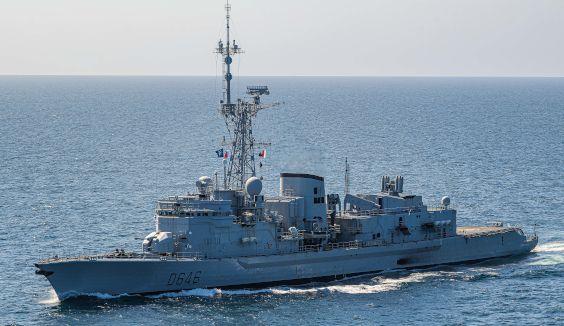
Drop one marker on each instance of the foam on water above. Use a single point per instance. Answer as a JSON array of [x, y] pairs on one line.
[[106, 296], [479, 275], [375, 285], [209, 293], [550, 260], [550, 253], [379, 284], [51, 300], [557, 246]]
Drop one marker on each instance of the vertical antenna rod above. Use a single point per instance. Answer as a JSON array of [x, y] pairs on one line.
[[227, 50], [347, 177], [228, 59]]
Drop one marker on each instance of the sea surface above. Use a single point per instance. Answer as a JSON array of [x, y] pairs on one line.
[[83, 159]]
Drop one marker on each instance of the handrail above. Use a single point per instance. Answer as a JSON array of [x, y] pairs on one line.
[[379, 211], [196, 255]]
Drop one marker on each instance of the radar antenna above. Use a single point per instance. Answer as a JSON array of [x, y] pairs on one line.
[[238, 117]]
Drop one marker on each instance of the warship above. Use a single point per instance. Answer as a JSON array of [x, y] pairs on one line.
[[227, 234]]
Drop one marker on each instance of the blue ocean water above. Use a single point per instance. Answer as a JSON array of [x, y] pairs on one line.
[[82, 160]]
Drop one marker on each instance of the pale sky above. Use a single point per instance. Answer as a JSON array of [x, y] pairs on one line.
[[284, 37]]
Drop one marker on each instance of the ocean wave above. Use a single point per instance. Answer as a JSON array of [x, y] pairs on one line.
[[550, 253], [556, 246], [483, 275], [51, 300], [208, 293], [97, 295], [548, 260]]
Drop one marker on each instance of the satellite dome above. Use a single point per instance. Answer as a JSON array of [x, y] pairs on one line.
[[204, 183], [445, 201], [253, 186], [205, 179]]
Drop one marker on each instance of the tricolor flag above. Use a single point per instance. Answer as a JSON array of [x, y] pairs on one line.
[[262, 153], [226, 155]]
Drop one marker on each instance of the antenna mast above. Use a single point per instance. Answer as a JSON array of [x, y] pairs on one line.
[[347, 177], [238, 116], [227, 50]]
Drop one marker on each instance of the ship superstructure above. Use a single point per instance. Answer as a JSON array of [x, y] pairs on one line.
[[228, 234]]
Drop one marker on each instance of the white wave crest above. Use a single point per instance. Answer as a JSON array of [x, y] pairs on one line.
[[51, 300], [382, 284], [557, 246], [246, 292], [548, 261], [550, 253], [209, 293], [97, 295]]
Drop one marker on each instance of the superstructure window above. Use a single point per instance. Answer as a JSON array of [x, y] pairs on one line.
[[318, 200], [315, 190]]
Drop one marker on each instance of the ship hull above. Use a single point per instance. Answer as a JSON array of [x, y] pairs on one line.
[[116, 276]]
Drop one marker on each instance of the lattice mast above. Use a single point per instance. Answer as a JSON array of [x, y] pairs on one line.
[[238, 117]]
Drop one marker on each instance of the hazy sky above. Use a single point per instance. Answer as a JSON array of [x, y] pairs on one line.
[[284, 37]]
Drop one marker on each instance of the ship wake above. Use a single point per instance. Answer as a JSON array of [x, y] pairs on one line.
[[376, 283], [550, 253]]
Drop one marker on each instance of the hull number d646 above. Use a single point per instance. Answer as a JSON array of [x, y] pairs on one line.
[[184, 278]]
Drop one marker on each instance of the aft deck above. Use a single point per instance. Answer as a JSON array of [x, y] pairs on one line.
[[478, 231]]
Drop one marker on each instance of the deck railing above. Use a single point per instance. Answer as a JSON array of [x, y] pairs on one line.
[[378, 211], [195, 255]]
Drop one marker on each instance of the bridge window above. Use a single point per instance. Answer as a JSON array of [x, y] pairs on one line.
[[315, 190]]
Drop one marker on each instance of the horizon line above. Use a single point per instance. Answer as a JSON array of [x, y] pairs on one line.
[[299, 76]]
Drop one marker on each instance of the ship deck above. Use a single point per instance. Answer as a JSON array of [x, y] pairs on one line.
[[476, 231]]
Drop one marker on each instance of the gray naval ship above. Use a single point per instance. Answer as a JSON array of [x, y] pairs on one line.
[[229, 235]]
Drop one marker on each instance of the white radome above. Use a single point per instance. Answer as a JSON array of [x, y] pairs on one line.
[[445, 201], [203, 181], [253, 186]]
